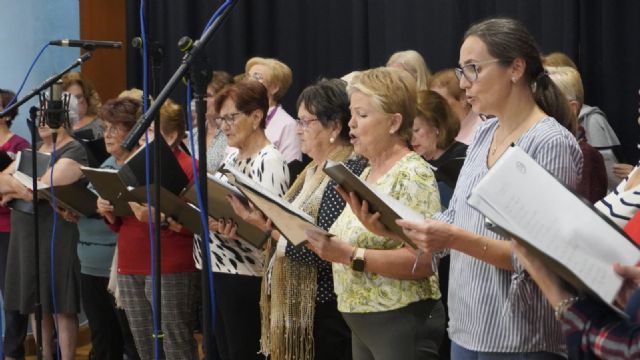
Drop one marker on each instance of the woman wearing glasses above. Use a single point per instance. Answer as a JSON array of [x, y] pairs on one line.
[[242, 109], [299, 302], [495, 309]]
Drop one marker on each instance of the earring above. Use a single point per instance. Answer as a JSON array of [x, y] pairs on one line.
[[513, 80], [331, 140]]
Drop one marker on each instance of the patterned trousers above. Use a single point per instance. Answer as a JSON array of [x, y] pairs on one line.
[[179, 295]]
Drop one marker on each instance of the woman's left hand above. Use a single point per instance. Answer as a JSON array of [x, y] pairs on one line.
[[68, 215], [329, 248], [228, 229], [360, 209]]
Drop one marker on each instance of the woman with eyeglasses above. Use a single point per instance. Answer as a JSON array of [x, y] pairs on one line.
[[62, 277], [180, 285], [298, 302], [242, 109], [496, 311]]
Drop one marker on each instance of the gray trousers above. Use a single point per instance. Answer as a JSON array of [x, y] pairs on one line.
[[407, 333], [180, 294]]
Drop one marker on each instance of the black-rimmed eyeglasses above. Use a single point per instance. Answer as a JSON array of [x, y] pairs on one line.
[[470, 71]]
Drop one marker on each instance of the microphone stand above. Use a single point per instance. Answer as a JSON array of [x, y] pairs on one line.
[[200, 76], [155, 59], [143, 123], [34, 128]]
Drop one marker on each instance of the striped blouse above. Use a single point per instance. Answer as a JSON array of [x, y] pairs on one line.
[[620, 205], [491, 309]]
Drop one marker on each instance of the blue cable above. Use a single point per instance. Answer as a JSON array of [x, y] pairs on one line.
[[216, 15], [203, 216], [27, 75], [52, 259], [145, 96]]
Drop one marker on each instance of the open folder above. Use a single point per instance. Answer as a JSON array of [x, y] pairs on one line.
[[290, 221], [108, 184], [73, 197], [389, 208], [219, 208], [567, 233], [24, 172]]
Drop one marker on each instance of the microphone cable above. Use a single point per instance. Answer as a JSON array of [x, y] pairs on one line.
[[206, 248], [52, 259], [150, 221], [27, 75]]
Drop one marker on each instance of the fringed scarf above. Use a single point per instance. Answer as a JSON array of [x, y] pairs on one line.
[[288, 296]]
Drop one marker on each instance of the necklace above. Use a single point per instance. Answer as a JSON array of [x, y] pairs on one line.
[[505, 138]]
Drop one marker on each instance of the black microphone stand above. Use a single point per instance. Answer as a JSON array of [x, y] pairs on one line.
[[200, 76], [143, 123], [34, 128], [155, 60]]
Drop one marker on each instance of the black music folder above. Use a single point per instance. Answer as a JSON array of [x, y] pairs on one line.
[[173, 178], [218, 207], [389, 208], [108, 184], [290, 221], [172, 206], [73, 197]]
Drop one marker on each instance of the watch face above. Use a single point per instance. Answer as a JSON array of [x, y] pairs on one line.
[[358, 265]]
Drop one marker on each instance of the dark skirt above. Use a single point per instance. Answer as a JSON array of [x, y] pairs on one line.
[[20, 273]]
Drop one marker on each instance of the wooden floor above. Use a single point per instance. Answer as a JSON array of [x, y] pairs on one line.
[[84, 345]]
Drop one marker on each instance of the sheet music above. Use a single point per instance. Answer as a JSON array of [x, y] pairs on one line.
[[524, 199]]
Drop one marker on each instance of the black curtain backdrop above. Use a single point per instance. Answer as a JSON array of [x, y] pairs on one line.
[[329, 38]]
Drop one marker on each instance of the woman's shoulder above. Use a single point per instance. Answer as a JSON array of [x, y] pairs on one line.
[[356, 164], [270, 153]]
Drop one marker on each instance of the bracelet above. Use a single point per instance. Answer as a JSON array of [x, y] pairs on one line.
[[565, 304]]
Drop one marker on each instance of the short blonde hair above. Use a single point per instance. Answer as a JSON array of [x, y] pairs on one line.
[[134, 93], [558, 59], [281, 74], [414, 64], [568, 80], [393, 91]]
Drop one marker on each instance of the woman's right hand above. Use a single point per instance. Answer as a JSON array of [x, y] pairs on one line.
[[429, 235], [249, 214], [105, 209]]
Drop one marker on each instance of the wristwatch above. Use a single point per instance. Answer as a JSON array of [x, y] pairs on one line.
[[357, 260]]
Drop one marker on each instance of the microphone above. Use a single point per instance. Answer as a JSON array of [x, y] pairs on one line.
[[57, 106], [87, 44]]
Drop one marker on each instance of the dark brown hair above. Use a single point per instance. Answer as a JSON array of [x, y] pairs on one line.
[[124, 111], [506, 40], [434, 109], [5, 97], [248, 95]]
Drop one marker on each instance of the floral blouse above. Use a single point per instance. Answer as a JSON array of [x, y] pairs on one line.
[[412, 182]]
